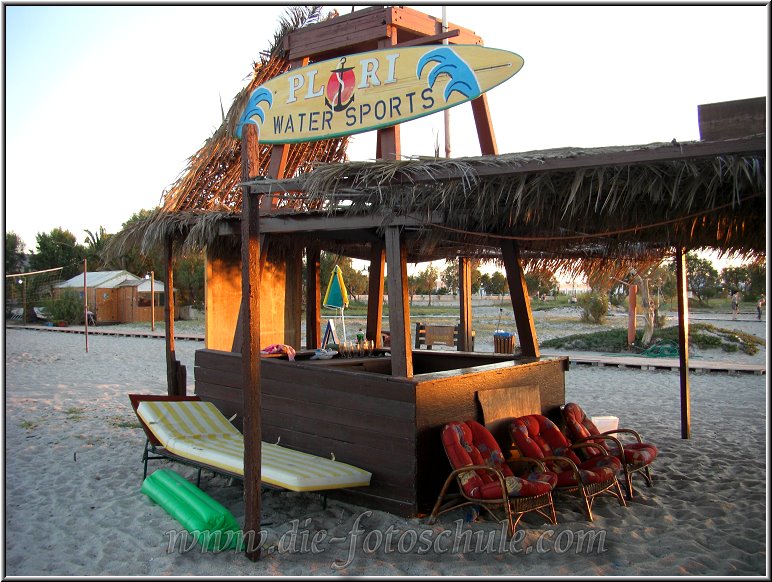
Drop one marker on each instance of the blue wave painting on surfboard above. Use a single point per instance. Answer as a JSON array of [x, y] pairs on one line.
[[462, 77], [253, 109]]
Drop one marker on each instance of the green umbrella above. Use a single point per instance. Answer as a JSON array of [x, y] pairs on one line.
[[336, 295]]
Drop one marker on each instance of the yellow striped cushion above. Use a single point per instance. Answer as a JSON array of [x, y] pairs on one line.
[[198, 431]]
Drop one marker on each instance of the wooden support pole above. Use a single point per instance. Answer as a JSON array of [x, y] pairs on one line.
[[399, 308], [465, 303], [313, 298], [175, 373], [375, 293], [521, 303], [250, 348], [683, 342], [632, 300], [389, 146], [484, 124]]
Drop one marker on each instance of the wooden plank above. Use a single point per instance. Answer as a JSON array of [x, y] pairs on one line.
[[399, 309], [400, 427], [732, 119], [521, 302], [501, 405], [435, 38], [420, 23]]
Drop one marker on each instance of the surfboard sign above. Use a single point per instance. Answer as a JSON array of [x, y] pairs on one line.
[[372, 90]]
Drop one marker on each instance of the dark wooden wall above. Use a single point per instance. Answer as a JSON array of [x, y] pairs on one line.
[[367, 420], [358, 411]]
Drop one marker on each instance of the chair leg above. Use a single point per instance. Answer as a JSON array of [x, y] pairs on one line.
[[647, 474], [436, 510], [619, 492], [144, 458]]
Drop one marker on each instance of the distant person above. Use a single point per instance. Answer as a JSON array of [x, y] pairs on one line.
[[759, 304], [735, 304]]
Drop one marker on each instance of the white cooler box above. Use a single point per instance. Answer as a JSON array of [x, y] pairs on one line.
[[605, 423]]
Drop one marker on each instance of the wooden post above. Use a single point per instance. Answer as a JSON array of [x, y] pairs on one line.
[[482, 120], [250, 348], [313, 298], [175, 375], [465, 303], [388, 145], [683, 342], [632, 300], [152, 300], [399, 309], [375, 294], [521, 303]]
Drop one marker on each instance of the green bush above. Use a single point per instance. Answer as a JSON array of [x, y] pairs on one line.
[[594, 306], [67, 307]]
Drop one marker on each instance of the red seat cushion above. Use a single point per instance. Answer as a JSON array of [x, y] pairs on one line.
[[580, 426], [470, 443], [537, 436]]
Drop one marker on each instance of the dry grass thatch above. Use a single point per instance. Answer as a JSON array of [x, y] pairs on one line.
[[208, 189], [638, 211]]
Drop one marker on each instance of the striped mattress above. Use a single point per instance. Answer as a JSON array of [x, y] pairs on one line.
[[198, 431]]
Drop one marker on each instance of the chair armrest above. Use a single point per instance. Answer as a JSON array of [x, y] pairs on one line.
[[602, 436], [530, 460], [493, 470], [583, 444], [566, 461], [625, 431]]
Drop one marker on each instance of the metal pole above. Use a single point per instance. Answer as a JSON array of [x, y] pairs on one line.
[[446, 112], [85, 303], [152, 301]]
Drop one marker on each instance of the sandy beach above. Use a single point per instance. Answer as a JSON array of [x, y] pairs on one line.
[[73, 472]]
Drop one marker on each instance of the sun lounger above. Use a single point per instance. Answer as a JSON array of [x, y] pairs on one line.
[[191, 431]]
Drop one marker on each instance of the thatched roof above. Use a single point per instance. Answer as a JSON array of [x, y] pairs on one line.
[[634, 203], [210, 183]]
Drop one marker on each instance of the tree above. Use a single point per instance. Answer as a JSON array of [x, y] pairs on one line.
[[497, 284], [95, 246], [427, 281], [701, 277], [14, 253], [58, 248], [541, 282], [189, 279], [449, 276]]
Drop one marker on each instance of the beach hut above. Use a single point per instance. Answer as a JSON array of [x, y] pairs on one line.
[[599, 211], [118, 296]]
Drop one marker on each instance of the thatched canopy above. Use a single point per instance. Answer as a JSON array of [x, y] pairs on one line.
[[209, 186], [634, 203]]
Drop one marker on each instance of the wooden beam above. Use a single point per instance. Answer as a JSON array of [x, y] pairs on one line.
[[435, 38], [313, 298], [683, 342], [389, 146], [293, 296], [399, 308], [465, 303], [521, 302], [375, 293], [484, 124], [305, 223], [250, 349]]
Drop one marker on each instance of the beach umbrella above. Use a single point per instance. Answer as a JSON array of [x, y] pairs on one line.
[[336, 295]]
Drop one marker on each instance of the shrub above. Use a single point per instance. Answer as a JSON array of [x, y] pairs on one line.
[[67, 307], [594, 306]]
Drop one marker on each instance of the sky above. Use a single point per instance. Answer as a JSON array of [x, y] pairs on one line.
[[105, 104]]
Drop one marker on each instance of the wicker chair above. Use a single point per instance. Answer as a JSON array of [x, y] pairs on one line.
[[538, 437], [484, 478], [635, 456]]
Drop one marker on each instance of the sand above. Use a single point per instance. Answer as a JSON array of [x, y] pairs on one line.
[[73, 472]]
